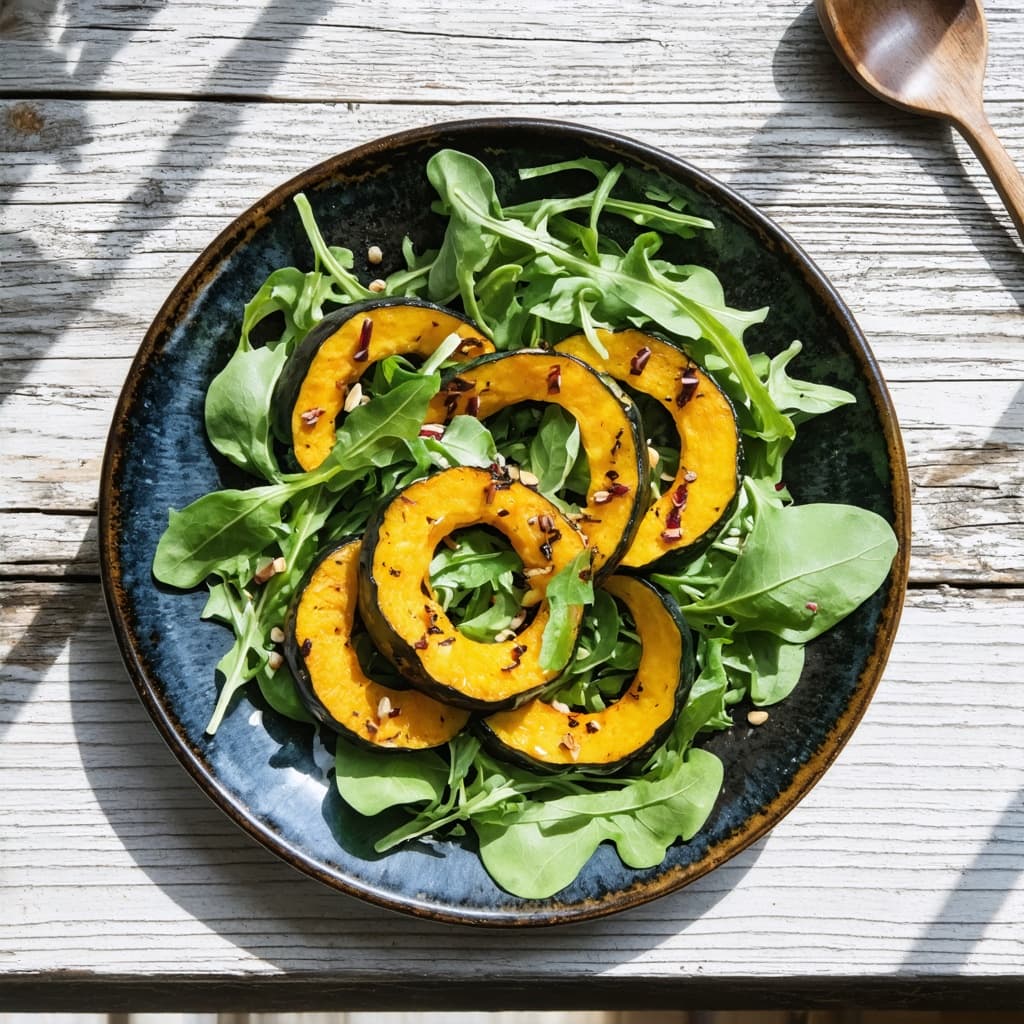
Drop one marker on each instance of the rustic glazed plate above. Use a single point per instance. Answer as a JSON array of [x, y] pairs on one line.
[[272, 776]]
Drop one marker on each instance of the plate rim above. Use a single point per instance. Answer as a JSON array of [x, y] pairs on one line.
[[205, 267]]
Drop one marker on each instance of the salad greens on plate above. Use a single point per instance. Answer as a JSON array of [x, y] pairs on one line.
[[773, 576]]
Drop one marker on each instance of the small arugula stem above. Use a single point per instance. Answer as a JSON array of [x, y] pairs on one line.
[[347, 282]]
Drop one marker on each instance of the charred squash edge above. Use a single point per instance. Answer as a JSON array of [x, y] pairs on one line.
[[455, 397], [377, 571], [300, 363], [658, 553], [376, 733], [496, 730]]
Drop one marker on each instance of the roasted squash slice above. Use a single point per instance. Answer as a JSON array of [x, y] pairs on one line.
[[410, 627], [610, 432], [706, 484], [333, 686], [315, 382], [544, 737]]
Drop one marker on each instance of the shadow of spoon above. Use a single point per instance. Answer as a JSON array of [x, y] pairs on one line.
[[928, 57]]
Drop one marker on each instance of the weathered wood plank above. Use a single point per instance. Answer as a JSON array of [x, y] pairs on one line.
[[434, 52], [113, 861], [948, 334]]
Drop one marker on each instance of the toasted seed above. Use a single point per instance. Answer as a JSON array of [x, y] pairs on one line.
[[277, 635], [757, 717], [383, 708], [560, 706], [377, 285], [354, 397], [527, 478], [374, 254], [653, 458], [602, 497], [274, 661], [541, 570]]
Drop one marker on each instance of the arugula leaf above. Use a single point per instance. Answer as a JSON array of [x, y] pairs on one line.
[[370, 783], [568, 592], [537, 848], [238, 409], [801, 569]]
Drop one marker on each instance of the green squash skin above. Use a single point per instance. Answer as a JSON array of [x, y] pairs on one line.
[[289, 383], [677, 559], [632, 415], [687, 674]]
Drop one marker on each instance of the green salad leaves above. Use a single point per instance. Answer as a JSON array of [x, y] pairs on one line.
[[776, 576]]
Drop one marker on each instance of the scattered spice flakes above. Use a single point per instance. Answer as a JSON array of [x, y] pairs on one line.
[[618, 443], [811, 606], [446, 643], [307, 647], [473, 405], [311, 417], [434, 430], [362, 352], [687, 385], [593, 726], [639, 361], [421, 644], [554, 380]]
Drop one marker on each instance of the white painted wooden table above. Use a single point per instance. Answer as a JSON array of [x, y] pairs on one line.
[[131, 134]]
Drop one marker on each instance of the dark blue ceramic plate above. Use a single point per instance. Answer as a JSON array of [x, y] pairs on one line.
[[271, 775]]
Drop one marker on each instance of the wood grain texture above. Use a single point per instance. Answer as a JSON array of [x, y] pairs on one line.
[[131, 134], [904, 860], [78, 298]]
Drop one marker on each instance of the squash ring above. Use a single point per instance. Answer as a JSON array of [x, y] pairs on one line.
[[408, 624], [330, 679], [312, 389], [543, 737]]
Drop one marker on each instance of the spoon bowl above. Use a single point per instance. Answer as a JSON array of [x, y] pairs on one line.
[[927, 57]]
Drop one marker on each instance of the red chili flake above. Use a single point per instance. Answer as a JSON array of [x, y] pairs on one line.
[[434, 630], [811, 606], [780, 486], [546, 523], [673, 533], [593, 727], [421, 644], [489, 491], [573, 722], [450, 404], [674, 519], [585, 574], [406, 499], [394, 712], [446, 643], [473, 405], [502, 512], [518, 651], [687, 385], [468, 344], [458, 385], [435, 430], [618, 442], [619, 490], [311, 416], [612, 474], [362, 352], [545, 550], [639, 361], [554, 380], [307, 646], [554, 535], [395, 572], [371, 727], [679, 496]]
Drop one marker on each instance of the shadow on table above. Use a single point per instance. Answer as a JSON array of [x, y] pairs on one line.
[[33, 139], [806, 71], [37, 137], [217, 875]]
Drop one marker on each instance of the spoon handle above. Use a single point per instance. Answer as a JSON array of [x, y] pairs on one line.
[[997, 163]]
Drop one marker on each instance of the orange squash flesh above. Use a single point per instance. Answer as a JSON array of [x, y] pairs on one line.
[[707, 480], [324, 661], [408, 624], [609, 432], [540, 735], [402, 328]]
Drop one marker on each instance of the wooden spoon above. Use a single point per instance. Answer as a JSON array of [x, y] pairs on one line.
[[928, 57]]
